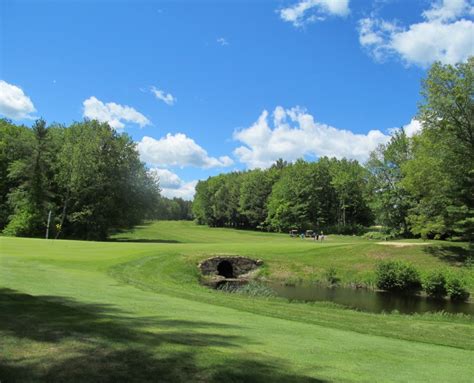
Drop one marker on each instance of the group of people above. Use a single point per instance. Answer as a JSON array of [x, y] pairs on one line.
[[312, 234], [318, 237]]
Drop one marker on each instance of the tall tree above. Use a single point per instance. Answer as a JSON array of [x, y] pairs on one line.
[[390, 200], [32, 198], [16, 144], [441, 172]]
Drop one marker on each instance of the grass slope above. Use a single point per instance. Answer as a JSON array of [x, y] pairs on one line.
[[133, 311]]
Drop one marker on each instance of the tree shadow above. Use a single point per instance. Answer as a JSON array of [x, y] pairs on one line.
[[53, 319], [99, 343], [137, 240], [142, 240], [454, 255]]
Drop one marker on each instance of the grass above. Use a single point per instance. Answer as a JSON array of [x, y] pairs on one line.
[[133, 310]]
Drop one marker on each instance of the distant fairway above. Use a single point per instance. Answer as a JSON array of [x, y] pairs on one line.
[[132, 310]]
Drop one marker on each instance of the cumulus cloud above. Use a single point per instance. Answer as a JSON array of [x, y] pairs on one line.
[[172, 185], [166, 178], [178, 150], [115, 114], [444, 35], [295, 134], [448, 10], [308, 11], [167, 98], [14, 103], [412, 128]]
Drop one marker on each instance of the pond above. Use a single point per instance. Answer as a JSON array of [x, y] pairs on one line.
[[369, 300]]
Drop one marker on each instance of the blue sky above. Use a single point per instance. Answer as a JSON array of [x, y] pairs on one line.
[[209, 87]]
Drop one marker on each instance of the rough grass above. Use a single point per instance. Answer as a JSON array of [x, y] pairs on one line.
[[87, 311]]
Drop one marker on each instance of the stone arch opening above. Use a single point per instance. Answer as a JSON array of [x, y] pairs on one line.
[[225, 269]]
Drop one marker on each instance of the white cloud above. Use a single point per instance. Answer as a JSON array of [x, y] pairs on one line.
[[444, 36], [178, 150], [116, 115], [185, 191], [308, 11], [222, 41], [14, 103], [167, 98], [172, 185], [166, 178], [411, 129], [448, 10], [295, 134]]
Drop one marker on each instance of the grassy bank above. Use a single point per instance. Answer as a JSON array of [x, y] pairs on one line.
[[133, 310], [296, 260]]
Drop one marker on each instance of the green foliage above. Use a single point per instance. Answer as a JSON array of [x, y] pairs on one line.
[[378, 236], [423, 185], [441, 173], [16, 143], [435, 285], [397, 276], [30, 191], [390, 200], [172, 209], [254, 191], [329, 195], [87, 175], [456, 289], [348, 229], [331, 276]]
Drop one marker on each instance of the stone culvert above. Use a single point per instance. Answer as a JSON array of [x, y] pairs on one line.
[[224, 267]]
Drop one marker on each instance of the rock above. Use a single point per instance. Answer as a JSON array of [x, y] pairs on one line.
[[228, 266]]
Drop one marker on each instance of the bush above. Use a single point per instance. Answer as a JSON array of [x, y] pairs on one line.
[[456, 289], [435, 285], [355, 229], [331, 276], [378, 236], [397, 276]]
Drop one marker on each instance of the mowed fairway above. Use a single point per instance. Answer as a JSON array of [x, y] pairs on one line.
[[133, 310]]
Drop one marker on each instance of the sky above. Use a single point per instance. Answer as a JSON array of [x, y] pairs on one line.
[[206, 87]]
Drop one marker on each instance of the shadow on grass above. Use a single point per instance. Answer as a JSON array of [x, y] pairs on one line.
[[81, 342], [137, 240], [454, 255], [142, 240]]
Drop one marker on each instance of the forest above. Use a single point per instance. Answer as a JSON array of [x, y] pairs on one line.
[[412, 186], [88, 176]]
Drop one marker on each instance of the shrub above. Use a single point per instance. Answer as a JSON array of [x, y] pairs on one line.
[[397, 276], [331, 276], [377, 235], [345, 229], [435, 285], [456, 289]]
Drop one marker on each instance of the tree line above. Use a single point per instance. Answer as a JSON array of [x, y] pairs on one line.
[[174, 208], [87, 175], [411, 186], [326, 194]]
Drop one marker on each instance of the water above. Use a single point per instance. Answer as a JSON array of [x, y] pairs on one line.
[[369, 300]]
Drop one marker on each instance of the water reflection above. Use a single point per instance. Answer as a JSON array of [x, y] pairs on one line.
[[372, 301]]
